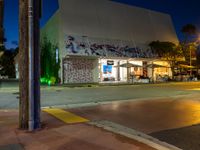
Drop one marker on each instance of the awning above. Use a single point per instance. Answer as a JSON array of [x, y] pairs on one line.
[[156, 66], [186, 66], [129, 65]]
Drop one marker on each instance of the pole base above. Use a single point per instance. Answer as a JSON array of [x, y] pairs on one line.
[[30, 125]]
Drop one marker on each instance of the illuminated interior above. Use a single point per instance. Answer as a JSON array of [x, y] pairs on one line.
[[117, 71], [160, 72]]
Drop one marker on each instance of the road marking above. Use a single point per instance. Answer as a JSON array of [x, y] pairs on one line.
[[65, 116]]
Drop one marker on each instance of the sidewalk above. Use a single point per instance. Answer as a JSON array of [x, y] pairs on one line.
[[56, 135]]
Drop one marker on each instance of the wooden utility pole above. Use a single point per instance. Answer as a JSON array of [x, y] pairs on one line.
[[23, 64], [29, 64]]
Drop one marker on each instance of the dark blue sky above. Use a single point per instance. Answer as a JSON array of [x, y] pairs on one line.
[[181, 11]]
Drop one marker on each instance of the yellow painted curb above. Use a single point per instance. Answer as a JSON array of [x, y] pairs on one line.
[[65, 116]]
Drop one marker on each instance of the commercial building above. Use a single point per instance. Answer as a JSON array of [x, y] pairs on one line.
[[106, 41]]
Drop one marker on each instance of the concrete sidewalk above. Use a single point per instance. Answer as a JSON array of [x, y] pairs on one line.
[[56, 135]]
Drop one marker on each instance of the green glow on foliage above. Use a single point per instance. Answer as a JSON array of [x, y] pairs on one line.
[[43, 80], [49, 82], [50, 62]]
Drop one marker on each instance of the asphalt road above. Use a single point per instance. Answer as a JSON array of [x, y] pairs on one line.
[[168, 111], [175, 121], [59, 95]]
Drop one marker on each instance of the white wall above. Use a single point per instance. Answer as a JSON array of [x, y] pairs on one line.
[[52, 28], [111, 20], [108, 20]]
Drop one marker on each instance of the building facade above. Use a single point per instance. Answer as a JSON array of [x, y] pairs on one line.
[[1, 22], [106, 41]]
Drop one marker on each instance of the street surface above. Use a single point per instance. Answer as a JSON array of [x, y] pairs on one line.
[[175, 120], [167, 111], [59, 95], [146, 116]]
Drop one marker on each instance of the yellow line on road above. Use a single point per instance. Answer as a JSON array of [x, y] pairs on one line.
[[65, 116]]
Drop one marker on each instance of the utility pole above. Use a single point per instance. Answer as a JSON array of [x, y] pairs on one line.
[[29, 64], [23, 64]]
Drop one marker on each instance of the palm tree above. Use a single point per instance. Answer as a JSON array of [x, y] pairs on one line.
[[188, 30]]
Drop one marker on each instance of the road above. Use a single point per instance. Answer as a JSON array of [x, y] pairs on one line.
[[146, 116], [167, 111], [175, 120], [59, 95]]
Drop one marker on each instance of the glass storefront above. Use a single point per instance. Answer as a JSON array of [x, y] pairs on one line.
[[110, 70], [137, 70], [118, 70], [162, 73], [124, 70]]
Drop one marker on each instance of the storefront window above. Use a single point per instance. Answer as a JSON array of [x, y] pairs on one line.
[[117, 70], [123, 70], [162, 73], [108, 73]]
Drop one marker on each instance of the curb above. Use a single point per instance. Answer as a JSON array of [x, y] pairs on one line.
[[133, 134], [79, 105]]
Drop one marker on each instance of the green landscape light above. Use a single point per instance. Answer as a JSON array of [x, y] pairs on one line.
[[42, 80], [49, 82]]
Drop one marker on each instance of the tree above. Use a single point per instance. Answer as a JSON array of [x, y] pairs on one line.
[[2, 48], [7, 63], [49, 65], [168, 51], [188, 30], [188, 46]]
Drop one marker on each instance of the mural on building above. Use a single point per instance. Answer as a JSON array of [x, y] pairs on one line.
[[82, 45], [78, 70]]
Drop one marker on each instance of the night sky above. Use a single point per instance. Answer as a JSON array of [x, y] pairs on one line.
[[181, 11]]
